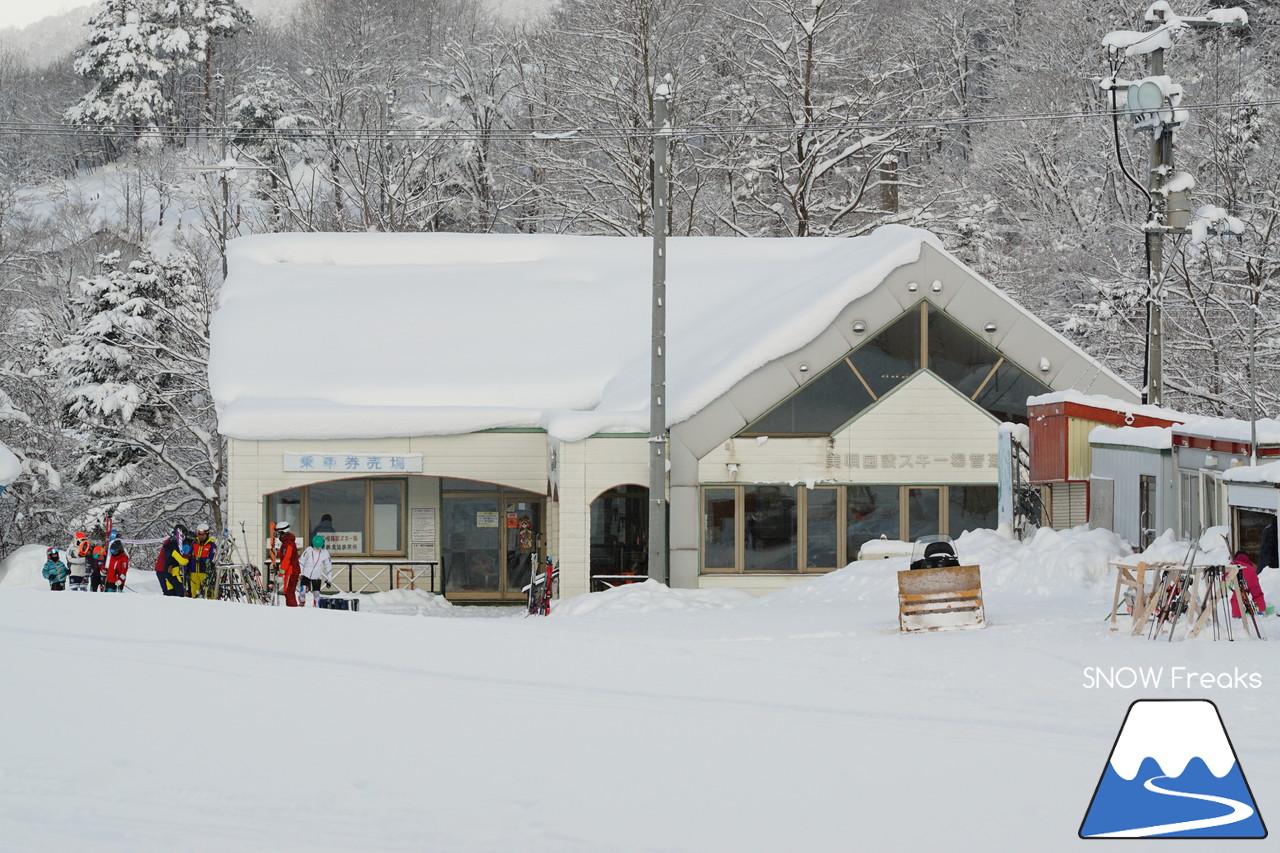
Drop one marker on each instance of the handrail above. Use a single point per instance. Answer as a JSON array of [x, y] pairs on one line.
[[400, 573]]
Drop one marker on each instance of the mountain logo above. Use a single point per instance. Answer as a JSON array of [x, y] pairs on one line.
[[1173, 773]]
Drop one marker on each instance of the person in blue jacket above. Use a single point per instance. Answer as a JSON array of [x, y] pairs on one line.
[[55, 571]]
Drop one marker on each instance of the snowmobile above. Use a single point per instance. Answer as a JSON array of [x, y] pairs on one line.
[[937, 593]]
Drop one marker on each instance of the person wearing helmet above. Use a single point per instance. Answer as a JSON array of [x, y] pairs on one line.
[[96, 562], [315, 567], [117, 566], [77, 555], [289, 567], [204, 553], [55, 571]]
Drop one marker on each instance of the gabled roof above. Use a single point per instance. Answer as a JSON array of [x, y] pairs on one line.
[[380, 335]]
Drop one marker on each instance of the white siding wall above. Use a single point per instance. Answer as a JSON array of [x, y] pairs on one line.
[[587, 468], [256, 468]]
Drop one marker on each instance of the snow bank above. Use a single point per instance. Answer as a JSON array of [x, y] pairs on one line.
[[10, 467], [650, 597], [1211, 550], [1268, 473], [21, 569]]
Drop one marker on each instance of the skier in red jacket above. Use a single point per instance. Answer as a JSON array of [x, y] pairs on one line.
[[289, 565], [117, 566]]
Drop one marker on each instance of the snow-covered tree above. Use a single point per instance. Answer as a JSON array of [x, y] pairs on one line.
[[186, 35], [127, 92], [134, 377]]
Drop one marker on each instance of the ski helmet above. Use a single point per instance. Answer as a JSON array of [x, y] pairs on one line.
[[317, 541], [116, 546], [114, 534], [202, 528], [282, 527], [51, 553], [99, 552]]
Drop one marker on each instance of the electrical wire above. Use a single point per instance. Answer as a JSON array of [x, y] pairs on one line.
[[571, 134]]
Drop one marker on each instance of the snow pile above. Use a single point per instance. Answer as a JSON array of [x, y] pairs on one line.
[[650, 597], [1211, 550], [21, 569], [10, 467]]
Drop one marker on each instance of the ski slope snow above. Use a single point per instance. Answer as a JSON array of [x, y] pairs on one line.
[[641, 719]]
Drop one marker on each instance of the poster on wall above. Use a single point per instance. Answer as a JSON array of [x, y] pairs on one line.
[[344, 543], [422, 533], [486, 519]]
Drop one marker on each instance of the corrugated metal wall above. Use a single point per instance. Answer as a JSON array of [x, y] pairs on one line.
[[1068, 505]]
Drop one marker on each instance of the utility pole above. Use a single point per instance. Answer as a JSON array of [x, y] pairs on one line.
[[1152, 104], [658, 352]]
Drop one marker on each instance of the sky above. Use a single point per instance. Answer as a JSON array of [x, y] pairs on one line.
[[19, 13]]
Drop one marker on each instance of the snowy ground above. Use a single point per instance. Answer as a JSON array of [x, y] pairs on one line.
[[643, 719]]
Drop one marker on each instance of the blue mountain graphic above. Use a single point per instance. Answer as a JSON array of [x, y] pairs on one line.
[[1121, 804]]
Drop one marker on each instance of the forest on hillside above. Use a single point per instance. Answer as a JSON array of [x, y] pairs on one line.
[[179, 124]]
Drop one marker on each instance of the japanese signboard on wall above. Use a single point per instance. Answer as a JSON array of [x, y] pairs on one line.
[[344, 543], [354, 463]]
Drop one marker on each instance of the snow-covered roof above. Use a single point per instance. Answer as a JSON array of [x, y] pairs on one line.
[[1269, 474], [1231, 429], [379, 335], [1110, 404], [1148, 438], [10, 467]]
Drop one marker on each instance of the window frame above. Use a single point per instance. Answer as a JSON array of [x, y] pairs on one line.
[[307, 522]]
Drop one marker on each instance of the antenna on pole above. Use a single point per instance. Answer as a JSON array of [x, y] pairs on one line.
[[1152, 104]]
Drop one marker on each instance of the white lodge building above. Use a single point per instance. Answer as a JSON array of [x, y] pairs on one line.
[[482, 400]]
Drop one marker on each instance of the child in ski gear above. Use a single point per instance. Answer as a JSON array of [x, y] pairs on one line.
[[204, 552], [77, 554], [170, 562], [289, 566], [96, 563], [316, 568], [1248, 579], [55, 571], [117, 566]]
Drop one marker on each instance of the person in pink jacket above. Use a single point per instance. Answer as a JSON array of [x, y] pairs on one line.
[[1250, 586]]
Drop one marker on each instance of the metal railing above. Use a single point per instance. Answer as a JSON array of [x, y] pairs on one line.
[[385, 575]]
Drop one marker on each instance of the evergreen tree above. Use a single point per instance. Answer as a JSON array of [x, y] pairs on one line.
[[127, 75], [134, 376]]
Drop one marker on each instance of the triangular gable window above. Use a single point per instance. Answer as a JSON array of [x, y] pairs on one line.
[[974, 368]]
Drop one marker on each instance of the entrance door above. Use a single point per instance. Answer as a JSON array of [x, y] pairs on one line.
[[492, 539], [924, 511], [524, 530]]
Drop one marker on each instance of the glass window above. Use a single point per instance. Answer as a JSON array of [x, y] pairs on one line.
[[821, 407], [871, 512], [471, 548], [388, 515], [339, 512], [924, 506], [720, 528], [822, 529], [770, 541], [286, 506], [1189, 502], [1212, 500], [891, 356], [1006, 394], [972, 508], [956, 355]]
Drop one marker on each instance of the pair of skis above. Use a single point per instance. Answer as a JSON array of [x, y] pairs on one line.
[[541, 589]]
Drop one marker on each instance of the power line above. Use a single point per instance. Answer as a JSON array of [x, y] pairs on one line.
[[571, 134]]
